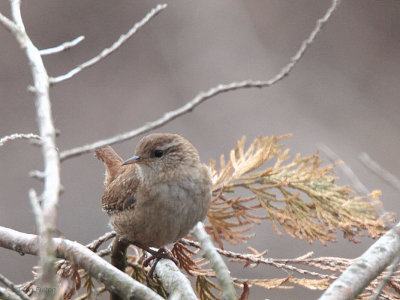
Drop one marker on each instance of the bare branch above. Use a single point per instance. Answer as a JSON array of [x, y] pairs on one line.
[[94, 245], [103, 54], [63, 47], [12, 287], [379, 170], [355, 181], [105, 252], [365, 268], [203, 96], [78, 254], [50, 154], [37, 174], [217, 263], [19, 136], [8, 24], [37, 210]]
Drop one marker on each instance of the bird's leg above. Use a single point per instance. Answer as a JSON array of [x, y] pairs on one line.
[[155, 255]]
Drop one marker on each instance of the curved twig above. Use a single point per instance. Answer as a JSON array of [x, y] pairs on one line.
[[203, 96], [107, 51], [19, 136]]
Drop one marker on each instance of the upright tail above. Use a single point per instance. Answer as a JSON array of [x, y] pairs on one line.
[[112, 161]]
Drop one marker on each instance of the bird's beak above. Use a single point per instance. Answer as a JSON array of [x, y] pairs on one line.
[[133, 160]]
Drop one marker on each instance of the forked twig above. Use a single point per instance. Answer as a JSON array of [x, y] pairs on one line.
[[107, 51]]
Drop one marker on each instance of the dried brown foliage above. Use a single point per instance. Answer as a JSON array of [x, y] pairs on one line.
[[193, 267], [298, 196]]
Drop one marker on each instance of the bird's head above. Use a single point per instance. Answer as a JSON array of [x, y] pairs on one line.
[[163, 153]]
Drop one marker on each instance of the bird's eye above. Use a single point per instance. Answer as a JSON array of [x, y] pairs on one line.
[[158, 153]]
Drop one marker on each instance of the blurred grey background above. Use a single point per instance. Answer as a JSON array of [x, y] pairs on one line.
[[344, 93]]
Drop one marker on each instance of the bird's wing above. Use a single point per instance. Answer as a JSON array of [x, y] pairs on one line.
[[120, 194]]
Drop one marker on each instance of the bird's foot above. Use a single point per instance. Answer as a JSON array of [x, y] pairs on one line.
[[157, 256]]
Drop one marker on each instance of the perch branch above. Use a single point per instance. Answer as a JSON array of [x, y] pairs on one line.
[[107, 51], [63, 47], [203, 96], [12, 287], [365, 268], [175, 283], [19, 136], [217, 263], [78, 254]]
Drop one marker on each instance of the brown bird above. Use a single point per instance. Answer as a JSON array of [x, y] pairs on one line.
[[157, 196]]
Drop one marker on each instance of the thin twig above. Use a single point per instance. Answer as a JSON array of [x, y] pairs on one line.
[[203, 96], [386, 278], [365, 268], [251, 259], [355, 181], [27, 287], [19, 136], [8, 24], [37, 175], [217, 263], [94, 245], [379, 170], [107, 51], [63, 47], [12, 287], [37, 210], [105, 252]]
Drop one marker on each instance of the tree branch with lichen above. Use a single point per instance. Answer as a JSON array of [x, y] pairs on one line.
[[78, 254]]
